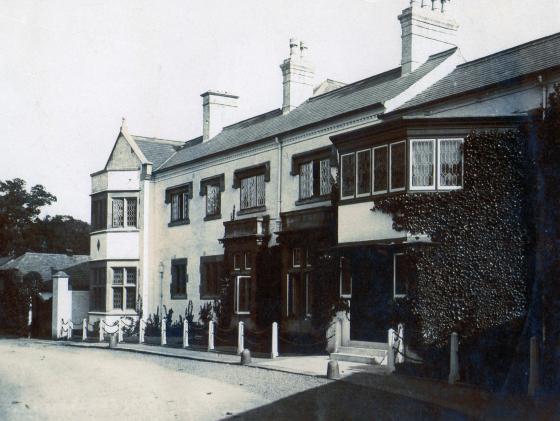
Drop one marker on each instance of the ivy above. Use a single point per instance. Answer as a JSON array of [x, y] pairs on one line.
[[474, 275]]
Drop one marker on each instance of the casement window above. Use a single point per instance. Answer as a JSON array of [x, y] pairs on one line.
[[348, 175], [380, 169], [251, 182], [298, 302], [243, 294], [179, 279], [211, 274], [450, 164], [179, 197], [98, 278], [296, 257], [397, 163], [401, 269], [422, 164], [237, 261], [252, 192], [124, 288], [315, 178], [212, 188], [99, 213], [363, 173], [345, 280], [124, 212], [248, 261]]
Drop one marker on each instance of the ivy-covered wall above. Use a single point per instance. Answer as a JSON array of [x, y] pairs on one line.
[[474, 277]]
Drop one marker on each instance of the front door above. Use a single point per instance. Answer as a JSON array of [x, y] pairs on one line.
[[372, 295]]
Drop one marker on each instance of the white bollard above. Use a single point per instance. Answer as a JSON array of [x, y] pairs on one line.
[[84, 329], [210, 336], [163, 332], [121, 328], [400, 355], [69, 331], [101, 328], [240, 338], [185, 334], [390, 350], [141, 331], [454, 359], [274, 349]]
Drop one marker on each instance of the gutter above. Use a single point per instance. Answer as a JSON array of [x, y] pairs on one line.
[[279, 197]]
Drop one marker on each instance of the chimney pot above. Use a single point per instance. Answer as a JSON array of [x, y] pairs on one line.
[[298, 77], [218, 110]]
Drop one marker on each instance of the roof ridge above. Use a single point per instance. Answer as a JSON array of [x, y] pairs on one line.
[[511, 49], [157, 139]]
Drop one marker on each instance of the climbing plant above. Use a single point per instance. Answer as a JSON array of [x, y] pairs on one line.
[[474, 276]]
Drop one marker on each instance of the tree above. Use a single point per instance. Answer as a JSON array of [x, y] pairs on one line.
[[19, 208], [58, 234]]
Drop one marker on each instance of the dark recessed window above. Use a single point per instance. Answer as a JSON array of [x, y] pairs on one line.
[[211, 274], [179, 197], [243, 295], [398, 166], [179, 279]]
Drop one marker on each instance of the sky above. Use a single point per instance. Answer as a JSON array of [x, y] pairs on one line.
[[70, 70]]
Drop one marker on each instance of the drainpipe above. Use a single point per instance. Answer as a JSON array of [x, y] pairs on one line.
[[279, 198], [542, 83]]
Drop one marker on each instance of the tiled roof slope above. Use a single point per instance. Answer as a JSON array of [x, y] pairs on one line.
[[157, 151], [44, 263], [365, 93], [532, 57]]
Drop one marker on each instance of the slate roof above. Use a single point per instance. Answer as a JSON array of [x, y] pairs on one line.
[[46, 264], [352, 97], [157, 151], [532, 57]]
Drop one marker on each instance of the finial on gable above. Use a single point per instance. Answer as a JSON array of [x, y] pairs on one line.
[[124, 127]]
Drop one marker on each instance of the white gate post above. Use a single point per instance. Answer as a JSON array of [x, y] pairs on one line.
[[163, 331], [121, 327], [141, 331], [240, 338], [210, 335], [390, 350], [274, 349], [84, 329], [70, 328], [101, 327], [185, 333], [400, 355]]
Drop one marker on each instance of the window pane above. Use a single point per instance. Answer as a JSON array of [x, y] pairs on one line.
[[117, 298], [325, 182], [422, 163], [398, 161], [131, 276], [175, 207], [260, 190], [348, 176], [212, 200], [296, 262], [131, 212], [306, 180], [237, 261], [118, 212], [131, 298], [364, 172], [243, 294], [118, 276], [248, 193], [184, 203], [380, 167], [450, 163]]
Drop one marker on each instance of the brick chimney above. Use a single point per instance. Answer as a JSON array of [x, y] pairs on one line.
[[218, 110], [298, 75], [428, 27]]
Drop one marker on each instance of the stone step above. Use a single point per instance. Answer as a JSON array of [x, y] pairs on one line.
[[355, 358], [367, 352]]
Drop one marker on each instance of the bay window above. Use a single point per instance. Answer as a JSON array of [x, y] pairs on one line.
[[422, 164], [98, 213], [450, 167]]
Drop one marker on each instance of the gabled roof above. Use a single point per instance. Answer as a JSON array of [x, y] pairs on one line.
[[370, 92], [157, 151], [44, 263], [507, 65]]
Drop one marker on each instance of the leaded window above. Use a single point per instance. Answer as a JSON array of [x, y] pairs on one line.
[[212, 200], [124, 212], [325, 177], [348, 175], [315, 178], [380, 167], [398, 166], [450, 163], [422, 165], [306, 180], [252, 192], [124, 288], [363, 173], [99, 213], [179, 206], [118, 212]]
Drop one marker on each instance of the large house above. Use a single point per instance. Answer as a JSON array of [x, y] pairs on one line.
[[252, 201]]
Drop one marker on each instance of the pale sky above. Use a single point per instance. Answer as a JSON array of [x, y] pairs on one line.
[[71, 69]]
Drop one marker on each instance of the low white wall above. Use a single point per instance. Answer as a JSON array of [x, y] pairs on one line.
[[357, 222], [80, 305]]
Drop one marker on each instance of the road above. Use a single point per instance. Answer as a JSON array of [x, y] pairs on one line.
[[41, 381]]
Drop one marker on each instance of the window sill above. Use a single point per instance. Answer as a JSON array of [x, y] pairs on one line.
[[209, 296], [314, 199], [251, 210], [106, 230], [179, 223], [179, 297], [243, 313], [212, 217]]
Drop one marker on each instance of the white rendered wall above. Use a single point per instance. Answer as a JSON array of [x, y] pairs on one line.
[[115, 245], [358, 223]]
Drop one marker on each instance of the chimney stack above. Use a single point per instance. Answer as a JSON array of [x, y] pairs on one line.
[[428, 27], [298, 75], [218, 111]]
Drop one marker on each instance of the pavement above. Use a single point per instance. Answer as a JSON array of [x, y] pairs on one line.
[[465, 399]]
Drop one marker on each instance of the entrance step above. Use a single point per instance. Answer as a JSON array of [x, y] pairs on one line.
[[371, 355]]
